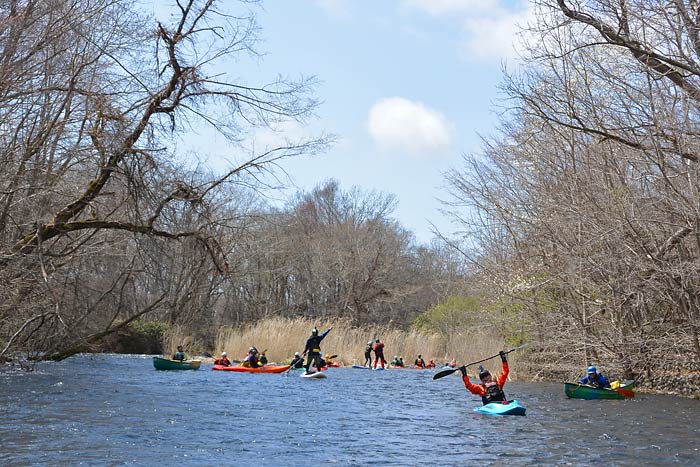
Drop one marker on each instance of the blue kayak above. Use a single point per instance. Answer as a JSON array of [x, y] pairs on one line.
[[499, 408], [361, 367]]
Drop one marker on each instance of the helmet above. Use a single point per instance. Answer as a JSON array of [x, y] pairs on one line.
[[419, 356], [395, 356], [327, 356], [314, 332], [369, 342], [296, 354], [483, 372], [223, 354], [377, 339], [592, 370]]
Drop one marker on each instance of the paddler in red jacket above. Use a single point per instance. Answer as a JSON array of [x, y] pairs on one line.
[[223, 361], [379, 353], [489, 390]]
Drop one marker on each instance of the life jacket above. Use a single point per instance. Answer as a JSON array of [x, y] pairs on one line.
[[493, 394], [379, 347], [313, 344], [223, 362], [419, 362]]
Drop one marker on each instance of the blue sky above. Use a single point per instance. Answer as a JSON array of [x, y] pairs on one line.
[[407, 86]]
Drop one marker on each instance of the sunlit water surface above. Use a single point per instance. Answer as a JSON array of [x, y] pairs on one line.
[[116, 410]]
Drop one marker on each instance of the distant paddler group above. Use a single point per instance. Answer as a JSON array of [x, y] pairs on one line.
[[594, 385]]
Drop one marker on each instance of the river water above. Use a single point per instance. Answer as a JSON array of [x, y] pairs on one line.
[[116, 410]]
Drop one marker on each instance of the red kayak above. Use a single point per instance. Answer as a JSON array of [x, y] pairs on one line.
[[260, 369]]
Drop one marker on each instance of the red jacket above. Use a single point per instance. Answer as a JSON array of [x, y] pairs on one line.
[[480, 389]]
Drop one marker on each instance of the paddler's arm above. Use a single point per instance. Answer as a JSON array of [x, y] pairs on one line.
[[503, 377], [477, 389]]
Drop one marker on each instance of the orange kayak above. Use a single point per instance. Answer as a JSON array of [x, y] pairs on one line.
[[261, 369]]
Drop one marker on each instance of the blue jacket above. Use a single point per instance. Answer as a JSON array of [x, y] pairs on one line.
[[600, 381], [313, 343]]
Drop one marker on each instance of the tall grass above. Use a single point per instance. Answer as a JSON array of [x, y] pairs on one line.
[[282, 337]]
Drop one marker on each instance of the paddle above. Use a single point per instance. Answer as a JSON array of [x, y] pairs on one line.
[[443, 373]]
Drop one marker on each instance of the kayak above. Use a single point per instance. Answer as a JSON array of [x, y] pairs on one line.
[[316, 374], [625, 390], [499, 408], [260, 369], [167, 364], [360, 367]]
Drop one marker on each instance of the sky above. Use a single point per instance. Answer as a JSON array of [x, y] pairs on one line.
[[407, 87]]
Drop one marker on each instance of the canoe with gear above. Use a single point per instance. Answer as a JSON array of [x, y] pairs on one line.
[[167, 364], [618, 390]]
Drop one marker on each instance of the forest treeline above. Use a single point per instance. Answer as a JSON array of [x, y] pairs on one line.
[[585, 207], [104, 223], [578, 219]]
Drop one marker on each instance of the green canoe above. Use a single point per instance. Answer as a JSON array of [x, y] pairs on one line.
[[581, 391], [167, 364]]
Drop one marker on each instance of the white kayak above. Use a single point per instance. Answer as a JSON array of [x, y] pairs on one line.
[[317, 374]]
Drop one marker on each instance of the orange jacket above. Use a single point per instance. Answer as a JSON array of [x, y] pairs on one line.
[[480, 389]]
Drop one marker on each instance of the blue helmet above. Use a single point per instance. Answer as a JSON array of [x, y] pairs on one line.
[[592, 370]]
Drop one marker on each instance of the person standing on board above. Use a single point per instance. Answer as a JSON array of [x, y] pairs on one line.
[[180, 354], [379, 353], [489, 390], [313, 348], [593, 378], [368, 355]]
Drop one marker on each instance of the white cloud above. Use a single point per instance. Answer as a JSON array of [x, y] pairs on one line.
[[489, 26], [335, 8], [452, 7], [491, 37], [398, 123]]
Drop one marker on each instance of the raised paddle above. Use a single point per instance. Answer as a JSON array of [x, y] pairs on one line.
[[443, 373]]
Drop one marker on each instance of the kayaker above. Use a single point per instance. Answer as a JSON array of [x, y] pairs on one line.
[[251, 359], [419, 362], [297, 361], [329, 361], [431, 364], [223, 361], [489, 390], [313, 348], [262, 358], [180, 354], [593, 378], [379, 353], [396, 361], [368, 354]]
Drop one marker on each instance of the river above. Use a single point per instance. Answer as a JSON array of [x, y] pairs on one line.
[[117, 410]]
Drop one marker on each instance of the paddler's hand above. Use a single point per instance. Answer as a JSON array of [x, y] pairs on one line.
[[463, 369], [503, 356]]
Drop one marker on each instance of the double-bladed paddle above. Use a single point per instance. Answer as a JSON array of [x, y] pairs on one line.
[[443, 373]]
